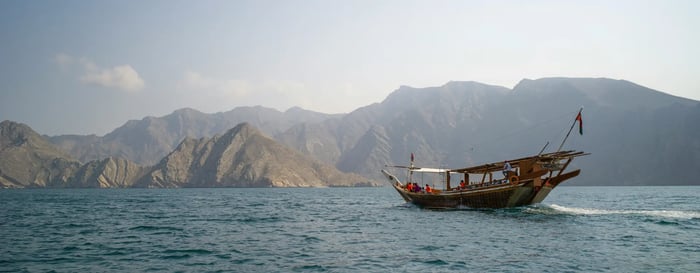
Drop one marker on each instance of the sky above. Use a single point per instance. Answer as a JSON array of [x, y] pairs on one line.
[[87, 67]]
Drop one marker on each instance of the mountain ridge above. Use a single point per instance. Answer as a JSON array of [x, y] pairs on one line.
[[464, 123], [241, 157], [147, 140], [29, 160]]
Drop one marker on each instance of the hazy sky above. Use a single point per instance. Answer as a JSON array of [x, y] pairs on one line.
[[82, 67]]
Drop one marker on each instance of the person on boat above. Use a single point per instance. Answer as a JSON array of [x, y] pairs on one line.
[[416, 187], [506, 169], [428, 189], [409, 187], [462, 185]]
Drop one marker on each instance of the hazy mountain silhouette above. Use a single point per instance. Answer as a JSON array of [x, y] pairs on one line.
[[636, 135], [148, 140]]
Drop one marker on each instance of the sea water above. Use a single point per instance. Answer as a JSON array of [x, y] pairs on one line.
[[576, 229]]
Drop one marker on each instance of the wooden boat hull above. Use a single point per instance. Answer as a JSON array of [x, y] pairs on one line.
[[525, 181], [503, 195]]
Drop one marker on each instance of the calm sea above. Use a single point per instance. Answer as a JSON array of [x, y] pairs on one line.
[[577, 229]]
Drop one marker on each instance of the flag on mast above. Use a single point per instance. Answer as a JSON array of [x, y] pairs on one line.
[[580, 128], [580, 123]]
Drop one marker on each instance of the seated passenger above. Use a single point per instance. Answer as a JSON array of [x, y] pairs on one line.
[[428, 189], [462, 185]]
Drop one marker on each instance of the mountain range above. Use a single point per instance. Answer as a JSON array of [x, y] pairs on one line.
[[636, 136], [241, 157]]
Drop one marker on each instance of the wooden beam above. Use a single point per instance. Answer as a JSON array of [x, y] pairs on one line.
[[495, 166], [447, 186], [565, 165], [561, 178]]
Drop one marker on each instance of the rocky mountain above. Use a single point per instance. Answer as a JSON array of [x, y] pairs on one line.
[[28, 160], [636, 135], [108, 173], [148, 140], [243, 157], [431, 122]]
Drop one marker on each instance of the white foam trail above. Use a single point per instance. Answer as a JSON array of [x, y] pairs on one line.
[[656, 213]]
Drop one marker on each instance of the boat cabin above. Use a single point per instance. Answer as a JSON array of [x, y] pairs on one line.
[[536, 168]]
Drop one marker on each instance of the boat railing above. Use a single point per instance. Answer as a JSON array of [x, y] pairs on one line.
[[495, 182], [469, 187]]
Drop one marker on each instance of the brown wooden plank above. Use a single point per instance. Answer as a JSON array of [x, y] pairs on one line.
[[554, 181], [532, 175]]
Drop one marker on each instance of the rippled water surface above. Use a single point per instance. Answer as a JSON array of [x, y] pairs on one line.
[[586, 229]]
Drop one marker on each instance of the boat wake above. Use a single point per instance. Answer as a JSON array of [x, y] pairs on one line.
[[557, 209]]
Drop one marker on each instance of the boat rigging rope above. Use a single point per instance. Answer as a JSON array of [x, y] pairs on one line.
[[520, 132]]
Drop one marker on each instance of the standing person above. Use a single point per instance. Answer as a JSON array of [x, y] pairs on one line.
[[506, 169]]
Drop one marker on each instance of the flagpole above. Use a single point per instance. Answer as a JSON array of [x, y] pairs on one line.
[[572, 127]]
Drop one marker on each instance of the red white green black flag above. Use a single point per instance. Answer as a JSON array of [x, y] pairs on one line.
[[580, 123]]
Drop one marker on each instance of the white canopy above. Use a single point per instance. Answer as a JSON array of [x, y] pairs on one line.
[[429, 170]]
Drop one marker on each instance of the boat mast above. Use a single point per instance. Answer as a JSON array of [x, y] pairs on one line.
[[572, 127], [410, 170]]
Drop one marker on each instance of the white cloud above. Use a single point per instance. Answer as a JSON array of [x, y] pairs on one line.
[[123, 77]]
